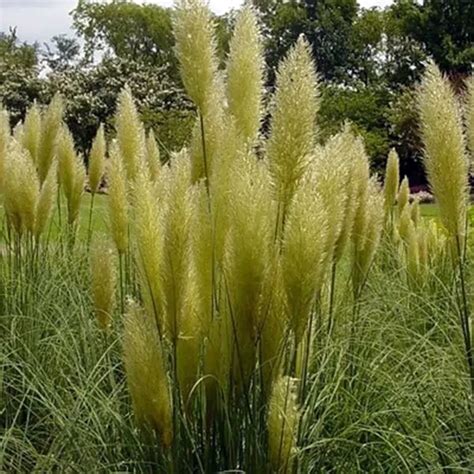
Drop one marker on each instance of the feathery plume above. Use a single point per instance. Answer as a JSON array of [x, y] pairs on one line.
[[50, 127], [404, 224], [71, 173], [196, 50], [97, 160], [360, 178], [103, 280], [177, 237], [247, 255], [403, 197], [32, 131], [366, 246], [149, 236], [4, 141], [391, 183], [329, 170], [210, 134], [293, 121], [304, 242], [353, 147], [21, 189], [415, 212], [129, 133], [118, 203], [245, 71], [46, 200], [470, 116], [146, 375], [445, 157], [413, 255], [282, 424], [152, 156]]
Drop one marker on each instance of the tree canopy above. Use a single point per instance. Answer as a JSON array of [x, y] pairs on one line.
[[368, 59]]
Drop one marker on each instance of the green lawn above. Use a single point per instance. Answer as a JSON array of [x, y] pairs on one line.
[[429, 210]]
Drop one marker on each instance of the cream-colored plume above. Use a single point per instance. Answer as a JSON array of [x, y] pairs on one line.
[[245, 70], [97, 160], [146, 375], [293, 121], [282, 424], [445, 155]]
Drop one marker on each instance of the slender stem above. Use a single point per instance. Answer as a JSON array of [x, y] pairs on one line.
[[89, 228], [465, 316], [59, 204], [332, 292], [204, 153], [122, 292]]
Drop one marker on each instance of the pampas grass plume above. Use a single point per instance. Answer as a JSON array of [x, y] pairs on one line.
[[303, 253], [391, 182], [71, 173], [46, 201], [245, 70], [282, 424], [21, 188], [152, 156], [293, 121], [4, 141], [97, 160], [32, 131], [149, 235], [196, 50], [117, 200], [50, 127], [445, 157], [470, 116], [103, 281], [129, 133], [146, 375], [403, 196]]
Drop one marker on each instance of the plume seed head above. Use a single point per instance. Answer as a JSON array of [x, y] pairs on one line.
[[21, 188], [293, 123], [117, 200], [245, 71], [46, 200], [4, 142], [50, 127], [147, 378], [130, 133], [445, 157], [391, 183], [196, 49], [153, 156], [469, 108], [32, 131], [72, 173], [403, 197], [97, 160], [282, 424], [103, 281]]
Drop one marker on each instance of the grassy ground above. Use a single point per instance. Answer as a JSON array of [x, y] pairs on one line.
[[402, 407]]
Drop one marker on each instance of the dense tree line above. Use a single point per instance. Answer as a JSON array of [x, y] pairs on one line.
[[370, 61]]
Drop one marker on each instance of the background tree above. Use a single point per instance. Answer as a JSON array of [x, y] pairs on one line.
[[327, 24], [19, 81], [62, 53], [142, 33]]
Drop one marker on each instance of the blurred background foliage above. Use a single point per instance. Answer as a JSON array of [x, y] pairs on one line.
[[369, 59]]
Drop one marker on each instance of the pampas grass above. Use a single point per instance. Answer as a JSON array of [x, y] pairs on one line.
[[213, 328]]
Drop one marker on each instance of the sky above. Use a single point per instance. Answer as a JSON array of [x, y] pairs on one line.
[[40, 20]]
